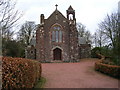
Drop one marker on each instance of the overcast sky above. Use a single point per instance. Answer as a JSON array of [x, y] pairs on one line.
[[88, 12]]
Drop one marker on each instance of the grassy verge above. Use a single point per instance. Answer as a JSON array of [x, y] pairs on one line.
[[40, 83]]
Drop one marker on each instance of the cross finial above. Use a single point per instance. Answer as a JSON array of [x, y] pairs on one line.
[[56, 6]]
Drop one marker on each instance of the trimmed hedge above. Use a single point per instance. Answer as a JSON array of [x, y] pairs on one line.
[[20, 72], [111, 70]]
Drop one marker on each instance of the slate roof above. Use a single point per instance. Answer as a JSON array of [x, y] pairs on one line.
[[81, 40]]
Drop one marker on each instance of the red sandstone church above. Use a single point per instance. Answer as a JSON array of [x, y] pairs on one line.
[[57, 39]]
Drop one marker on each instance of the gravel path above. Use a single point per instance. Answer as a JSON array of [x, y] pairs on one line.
[[76, 75]]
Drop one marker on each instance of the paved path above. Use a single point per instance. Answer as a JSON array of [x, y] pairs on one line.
[[76, 75]]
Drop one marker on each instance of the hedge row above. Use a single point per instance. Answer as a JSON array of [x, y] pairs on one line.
[[20, 72], [111, 70]]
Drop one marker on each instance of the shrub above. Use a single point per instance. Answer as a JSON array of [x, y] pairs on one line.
[[111, 70], [105, 50], [94, 52], [13, 48], [19, 72]]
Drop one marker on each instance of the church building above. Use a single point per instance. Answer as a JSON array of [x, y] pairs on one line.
[[57, 39]]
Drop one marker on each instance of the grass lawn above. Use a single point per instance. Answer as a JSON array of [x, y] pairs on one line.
[[40, 83]]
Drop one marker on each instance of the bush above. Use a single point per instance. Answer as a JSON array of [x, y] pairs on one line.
[[111, 70], [94, 52], [105, 50], [19, 73], [13, 48]]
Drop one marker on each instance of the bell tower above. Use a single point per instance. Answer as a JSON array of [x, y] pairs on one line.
[[71, 14], [73, 38]]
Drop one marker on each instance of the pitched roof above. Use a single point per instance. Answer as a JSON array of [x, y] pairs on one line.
[[70, 8], [56, 11], [81, 40]]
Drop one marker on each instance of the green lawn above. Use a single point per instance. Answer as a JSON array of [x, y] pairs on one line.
[[40, 83]]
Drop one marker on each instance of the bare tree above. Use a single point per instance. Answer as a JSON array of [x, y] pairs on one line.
[[8, 17], [99, 38], [109, 28], [81, 29], [94, 39], [27, 32], [82, 32], [88, 37]]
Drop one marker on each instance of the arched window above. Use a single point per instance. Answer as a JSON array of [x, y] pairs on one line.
[[71, 17], [56, 33]]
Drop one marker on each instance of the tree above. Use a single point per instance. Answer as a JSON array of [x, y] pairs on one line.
[[95, 39], [99, 39], [13, 48], [81, 29], [8, 17], [88, 37], [109, 27], [82, 32], [27, 32]]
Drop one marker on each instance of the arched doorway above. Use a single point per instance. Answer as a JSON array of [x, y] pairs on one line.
[[57, 54]]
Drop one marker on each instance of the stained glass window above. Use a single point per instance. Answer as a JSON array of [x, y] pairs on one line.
[[56, 33]]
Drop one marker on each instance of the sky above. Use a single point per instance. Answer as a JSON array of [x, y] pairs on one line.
[[88, 12]]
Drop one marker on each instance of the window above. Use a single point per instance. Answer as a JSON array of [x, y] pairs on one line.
[[60, 36], [56, 33], [53, 35], [57, 36]]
